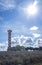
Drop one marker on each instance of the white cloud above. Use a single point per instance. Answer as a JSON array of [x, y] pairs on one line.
[[7, 4], [39, 42], [17, 40], [35, 32], [3, 46], [36, 35], [35, 45], [34, 28], [21, 40]]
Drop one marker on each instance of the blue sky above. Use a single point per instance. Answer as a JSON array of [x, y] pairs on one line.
[[14, 17]]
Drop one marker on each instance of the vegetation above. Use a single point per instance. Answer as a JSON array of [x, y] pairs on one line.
[[22, 48], [21, 57]]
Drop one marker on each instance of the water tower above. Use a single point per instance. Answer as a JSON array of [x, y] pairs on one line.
[[9, 39]]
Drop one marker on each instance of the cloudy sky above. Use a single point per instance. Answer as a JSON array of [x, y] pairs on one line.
[[23, 17]]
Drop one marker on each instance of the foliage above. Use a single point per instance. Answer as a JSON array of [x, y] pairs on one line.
[[21, 58]]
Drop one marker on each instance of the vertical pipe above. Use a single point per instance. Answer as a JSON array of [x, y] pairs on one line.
[[9, 39]]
